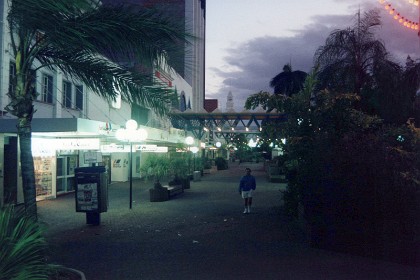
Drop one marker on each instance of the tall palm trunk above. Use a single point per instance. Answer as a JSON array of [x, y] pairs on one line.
[[21, 105], [27, 166], [25, 110]]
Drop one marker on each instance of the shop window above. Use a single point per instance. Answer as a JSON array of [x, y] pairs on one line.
[[43, 175]]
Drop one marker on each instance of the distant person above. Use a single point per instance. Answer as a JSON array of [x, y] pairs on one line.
[[246, 186]]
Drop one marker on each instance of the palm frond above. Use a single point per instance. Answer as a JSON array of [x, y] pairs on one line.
[[22, 247], [104, 76], [146, 34], [348, 57], [92, 42]]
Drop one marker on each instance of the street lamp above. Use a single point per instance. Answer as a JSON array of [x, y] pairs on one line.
[[252, 143], [189, 140], [131, 134], [194, 150]]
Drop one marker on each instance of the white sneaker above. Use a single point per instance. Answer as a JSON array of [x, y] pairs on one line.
[[245, 211], [249, 209]]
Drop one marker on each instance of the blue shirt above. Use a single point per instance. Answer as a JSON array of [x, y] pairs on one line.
[[247, 183]]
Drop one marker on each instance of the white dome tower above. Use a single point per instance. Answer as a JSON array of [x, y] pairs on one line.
[[229, 103]]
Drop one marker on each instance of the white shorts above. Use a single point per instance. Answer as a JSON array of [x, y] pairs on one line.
[[246, 194]]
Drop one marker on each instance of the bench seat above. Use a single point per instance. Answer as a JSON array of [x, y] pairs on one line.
[[275, 176], [174, 190]]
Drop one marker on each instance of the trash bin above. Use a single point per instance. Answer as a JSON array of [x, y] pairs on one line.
[[197, 176], [91, 192]]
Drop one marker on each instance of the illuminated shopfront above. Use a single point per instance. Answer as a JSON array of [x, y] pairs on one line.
[[60, 146], [55, 161]]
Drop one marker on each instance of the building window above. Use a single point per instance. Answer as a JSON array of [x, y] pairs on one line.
[[47, 89], [79, 97], [67, 94], [182, 103], [140, 114]]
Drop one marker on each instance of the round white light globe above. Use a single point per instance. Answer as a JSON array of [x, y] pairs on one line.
[[121, 134], [141, 134], [131, 125], [194, 150], [189, 140]]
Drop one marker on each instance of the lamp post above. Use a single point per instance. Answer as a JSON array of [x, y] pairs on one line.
[[218, 145], [194, 150], [131, 134], [189, 140]]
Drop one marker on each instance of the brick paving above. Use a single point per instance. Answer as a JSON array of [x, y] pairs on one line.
[[200, 234]]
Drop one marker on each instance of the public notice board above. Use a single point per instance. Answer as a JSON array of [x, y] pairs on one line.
[[91, 193]]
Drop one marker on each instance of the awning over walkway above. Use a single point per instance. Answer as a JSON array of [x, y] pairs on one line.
[[83, 128]]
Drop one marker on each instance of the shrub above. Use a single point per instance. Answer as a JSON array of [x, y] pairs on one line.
[[221, 163], [206, 163], [155, 166]]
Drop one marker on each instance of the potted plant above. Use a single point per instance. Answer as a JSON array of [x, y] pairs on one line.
[[221, 163], [206, 166], [179, 169], [199, 165], [156, 167]]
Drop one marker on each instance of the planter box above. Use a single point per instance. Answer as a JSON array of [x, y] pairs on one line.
[[158, 195], [197, 176], [186, 183]]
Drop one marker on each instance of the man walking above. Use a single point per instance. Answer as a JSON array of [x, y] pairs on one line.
[[246, 186]]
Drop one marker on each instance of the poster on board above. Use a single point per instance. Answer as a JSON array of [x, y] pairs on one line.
[[87, 197]]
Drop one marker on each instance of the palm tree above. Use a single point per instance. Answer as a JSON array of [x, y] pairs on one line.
[[83, 38], [346, 61], [288, 82], [353, 60]]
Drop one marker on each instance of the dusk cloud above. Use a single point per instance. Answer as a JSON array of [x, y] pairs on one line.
[[252, 64]]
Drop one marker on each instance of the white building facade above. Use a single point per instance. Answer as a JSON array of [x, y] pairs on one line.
[[71, 123]]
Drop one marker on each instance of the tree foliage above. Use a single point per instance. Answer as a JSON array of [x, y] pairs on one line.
[[355, 175], [265, 100]]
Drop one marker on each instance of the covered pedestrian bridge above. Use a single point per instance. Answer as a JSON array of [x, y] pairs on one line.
[[224, 124]]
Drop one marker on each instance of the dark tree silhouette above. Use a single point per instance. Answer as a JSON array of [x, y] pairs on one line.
[[288, 82]]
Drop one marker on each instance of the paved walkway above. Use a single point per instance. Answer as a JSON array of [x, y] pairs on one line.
[[201, 234]]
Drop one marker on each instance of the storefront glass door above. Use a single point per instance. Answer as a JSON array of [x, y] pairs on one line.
[[65, 173]]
